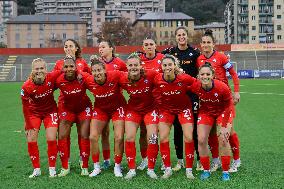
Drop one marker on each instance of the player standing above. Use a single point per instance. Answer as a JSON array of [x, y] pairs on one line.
[[215, 111], [39, 106], [76, 107], [221, 65], [187, 56]]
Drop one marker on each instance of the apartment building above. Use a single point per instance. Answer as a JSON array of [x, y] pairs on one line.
[[39, 31], [8, 9], [254, 21], [164, 25], [217, 28]]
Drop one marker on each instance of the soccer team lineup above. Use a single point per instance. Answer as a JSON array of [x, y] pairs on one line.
[[181, 88]]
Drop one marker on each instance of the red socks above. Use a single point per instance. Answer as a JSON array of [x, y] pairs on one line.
[[235, 146], [205, 162], [225, 162], [189, 154], [214, 145], [52, 152], [143, 152], [152, 153], [34, 154], [117, 159], [85, 151], [63, 152], [130, 152], [96, 157], [165, 153], [106, 154]]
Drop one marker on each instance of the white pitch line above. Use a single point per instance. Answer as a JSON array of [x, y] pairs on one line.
[[263, 93]]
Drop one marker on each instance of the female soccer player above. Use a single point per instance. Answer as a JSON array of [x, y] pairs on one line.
[[39, 106], [109, 104], [150, 60], [172, 87], [74, 107], [215, 108], [140, 108], [221, 64], [187, 56], [107, 56], [73, 49]]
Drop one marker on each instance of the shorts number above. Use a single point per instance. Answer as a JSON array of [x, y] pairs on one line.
[[187, 114], [54, 118], [195, 106], [154, 115], [88, 111], [120, 111]]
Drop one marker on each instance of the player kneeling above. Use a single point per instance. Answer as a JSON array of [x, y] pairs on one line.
[[39, 106]]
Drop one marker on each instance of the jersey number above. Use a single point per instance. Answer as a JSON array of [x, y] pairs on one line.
[[187, 114], [154, 115], [120, 111], [54, 118]]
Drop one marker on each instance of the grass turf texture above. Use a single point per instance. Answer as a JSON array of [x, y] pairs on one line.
[[259, 124]]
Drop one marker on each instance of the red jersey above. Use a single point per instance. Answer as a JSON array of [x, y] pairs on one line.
[[141, 98], [38, 100], [81, 65], [173, 94], [221, 64], [216, 100], [74, 97], [152, 64], [107, 96], [115, 64]]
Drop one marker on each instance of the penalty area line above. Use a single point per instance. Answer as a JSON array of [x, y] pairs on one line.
[[262, 93]]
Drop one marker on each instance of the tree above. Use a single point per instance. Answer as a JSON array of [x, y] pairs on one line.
[[119, 32], [3, 45], [196, 38], [140, 33]]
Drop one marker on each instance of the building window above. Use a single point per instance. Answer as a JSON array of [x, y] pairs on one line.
[[29, 45], [29, 36], [166, 42], [17, 37], [278, 6], [145, 23], [153, 24], [41, 45], [98, 12], [279, 37], [64, 35], [29, 27], [186, 23], [253, 7], [161, 34], [64, 26], [179, 23], [253, 38], [76, 36], [41, 27], [52, 35], [278, 27], [166, 34], [279, 16], [253, 28], [76, 27], [253, 17], [98, 19]]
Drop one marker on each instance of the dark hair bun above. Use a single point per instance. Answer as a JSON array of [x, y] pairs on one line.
[[207, 64], [208, 32]]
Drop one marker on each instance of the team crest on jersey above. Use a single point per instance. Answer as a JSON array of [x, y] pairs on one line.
[[22, 92], [49, 84], [179, 84], [34, 91], [62, 84], [202, 60], [162, 86], [128, 115], [80, 64], [198, 119], [63, 114], [214, 60], [190, 54], [110, 84], [115, 66], [146, 81], [142, 62], [216, 94], [159, 62]]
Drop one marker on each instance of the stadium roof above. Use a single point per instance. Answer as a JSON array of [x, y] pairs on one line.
[[165, 16], [56, 18]]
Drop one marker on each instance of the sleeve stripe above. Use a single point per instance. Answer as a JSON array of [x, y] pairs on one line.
[[228, 66]]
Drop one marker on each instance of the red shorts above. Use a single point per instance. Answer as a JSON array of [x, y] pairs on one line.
[[34, 122], [65, 114], [186, 116], [118, 114], [204, 119], [148, 118]]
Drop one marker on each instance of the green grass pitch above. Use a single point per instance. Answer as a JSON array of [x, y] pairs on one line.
[[259, 123]]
